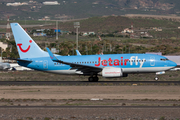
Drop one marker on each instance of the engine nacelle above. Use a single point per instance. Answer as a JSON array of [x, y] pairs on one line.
[[112, 72]]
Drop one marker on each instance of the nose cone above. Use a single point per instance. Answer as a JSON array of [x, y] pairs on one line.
[[172, 64]]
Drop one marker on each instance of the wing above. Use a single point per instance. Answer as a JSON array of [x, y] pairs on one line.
[[81, 69]]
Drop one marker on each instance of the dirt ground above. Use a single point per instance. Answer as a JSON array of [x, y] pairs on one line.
[[90, 114], [63, 95], [82, 96], [88, 92]]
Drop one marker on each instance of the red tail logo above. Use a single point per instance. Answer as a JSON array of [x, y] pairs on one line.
[[52, 57], [26, 50]]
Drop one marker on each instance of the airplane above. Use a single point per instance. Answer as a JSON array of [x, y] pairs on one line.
[[107, 65], [4, 66]]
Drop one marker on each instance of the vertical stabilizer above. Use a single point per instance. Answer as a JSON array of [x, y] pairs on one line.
[[26, 46]]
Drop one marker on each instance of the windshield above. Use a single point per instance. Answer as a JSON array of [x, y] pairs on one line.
[[164, 59]]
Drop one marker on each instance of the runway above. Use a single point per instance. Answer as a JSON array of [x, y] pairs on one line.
[[84, 83], [115, 107], [89, 113]]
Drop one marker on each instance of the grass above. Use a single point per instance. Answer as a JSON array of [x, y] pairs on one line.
[[43, 76], [80, 102]]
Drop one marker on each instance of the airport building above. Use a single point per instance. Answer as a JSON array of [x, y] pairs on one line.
[[3, 45], [51, 3]]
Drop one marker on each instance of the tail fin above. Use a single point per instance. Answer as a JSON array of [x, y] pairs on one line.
[[26, 46]]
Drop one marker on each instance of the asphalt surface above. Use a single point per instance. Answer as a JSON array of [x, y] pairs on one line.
[[169, 107], [89, 83]]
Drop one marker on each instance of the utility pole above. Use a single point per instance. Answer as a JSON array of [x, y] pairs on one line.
[[76, 25], [56, 30], [110, 47], [8, 34]]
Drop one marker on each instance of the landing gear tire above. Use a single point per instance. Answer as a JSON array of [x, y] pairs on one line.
[[156, 78], [93, 79], [96, 79], [90, 79]]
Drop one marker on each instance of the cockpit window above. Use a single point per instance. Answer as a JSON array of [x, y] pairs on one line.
[[164, 59]]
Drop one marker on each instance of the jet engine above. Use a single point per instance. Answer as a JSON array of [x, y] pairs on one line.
[[112, 72]]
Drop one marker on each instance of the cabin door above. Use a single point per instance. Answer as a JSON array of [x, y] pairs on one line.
[[152, 61]]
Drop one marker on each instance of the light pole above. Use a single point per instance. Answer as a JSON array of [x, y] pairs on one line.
[[76, 25], [110, 46], [56, 30]]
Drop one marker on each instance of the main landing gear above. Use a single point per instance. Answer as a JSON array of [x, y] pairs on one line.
[[93, 79]]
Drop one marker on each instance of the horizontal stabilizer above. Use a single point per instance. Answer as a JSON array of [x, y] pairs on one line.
[[17, 59]]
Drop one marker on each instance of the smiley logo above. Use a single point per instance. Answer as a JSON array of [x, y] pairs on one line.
[[22, 50], [52, 57]]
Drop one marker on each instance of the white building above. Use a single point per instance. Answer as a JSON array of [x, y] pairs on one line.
[[16, 4], [51, 3], [3, 45], [127, 30], [88, 33]]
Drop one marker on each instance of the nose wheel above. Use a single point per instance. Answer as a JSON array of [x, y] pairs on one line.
[[156, 78]]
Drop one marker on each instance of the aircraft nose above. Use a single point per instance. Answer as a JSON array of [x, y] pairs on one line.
[[173, 64]]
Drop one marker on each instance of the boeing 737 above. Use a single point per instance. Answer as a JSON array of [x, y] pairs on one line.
[[4, 66], [109, 66]]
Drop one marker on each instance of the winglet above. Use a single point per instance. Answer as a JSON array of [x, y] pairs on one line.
[[77, 52], [53, 58]]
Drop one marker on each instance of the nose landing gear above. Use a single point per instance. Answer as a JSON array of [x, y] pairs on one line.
[[158, 73], [156, 78]]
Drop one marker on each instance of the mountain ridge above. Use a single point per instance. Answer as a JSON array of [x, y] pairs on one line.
[[84, 8]]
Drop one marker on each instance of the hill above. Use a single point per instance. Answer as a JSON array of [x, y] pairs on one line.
[[84, 8]]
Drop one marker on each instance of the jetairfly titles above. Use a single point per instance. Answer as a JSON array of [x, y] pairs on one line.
[[120, 62]]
